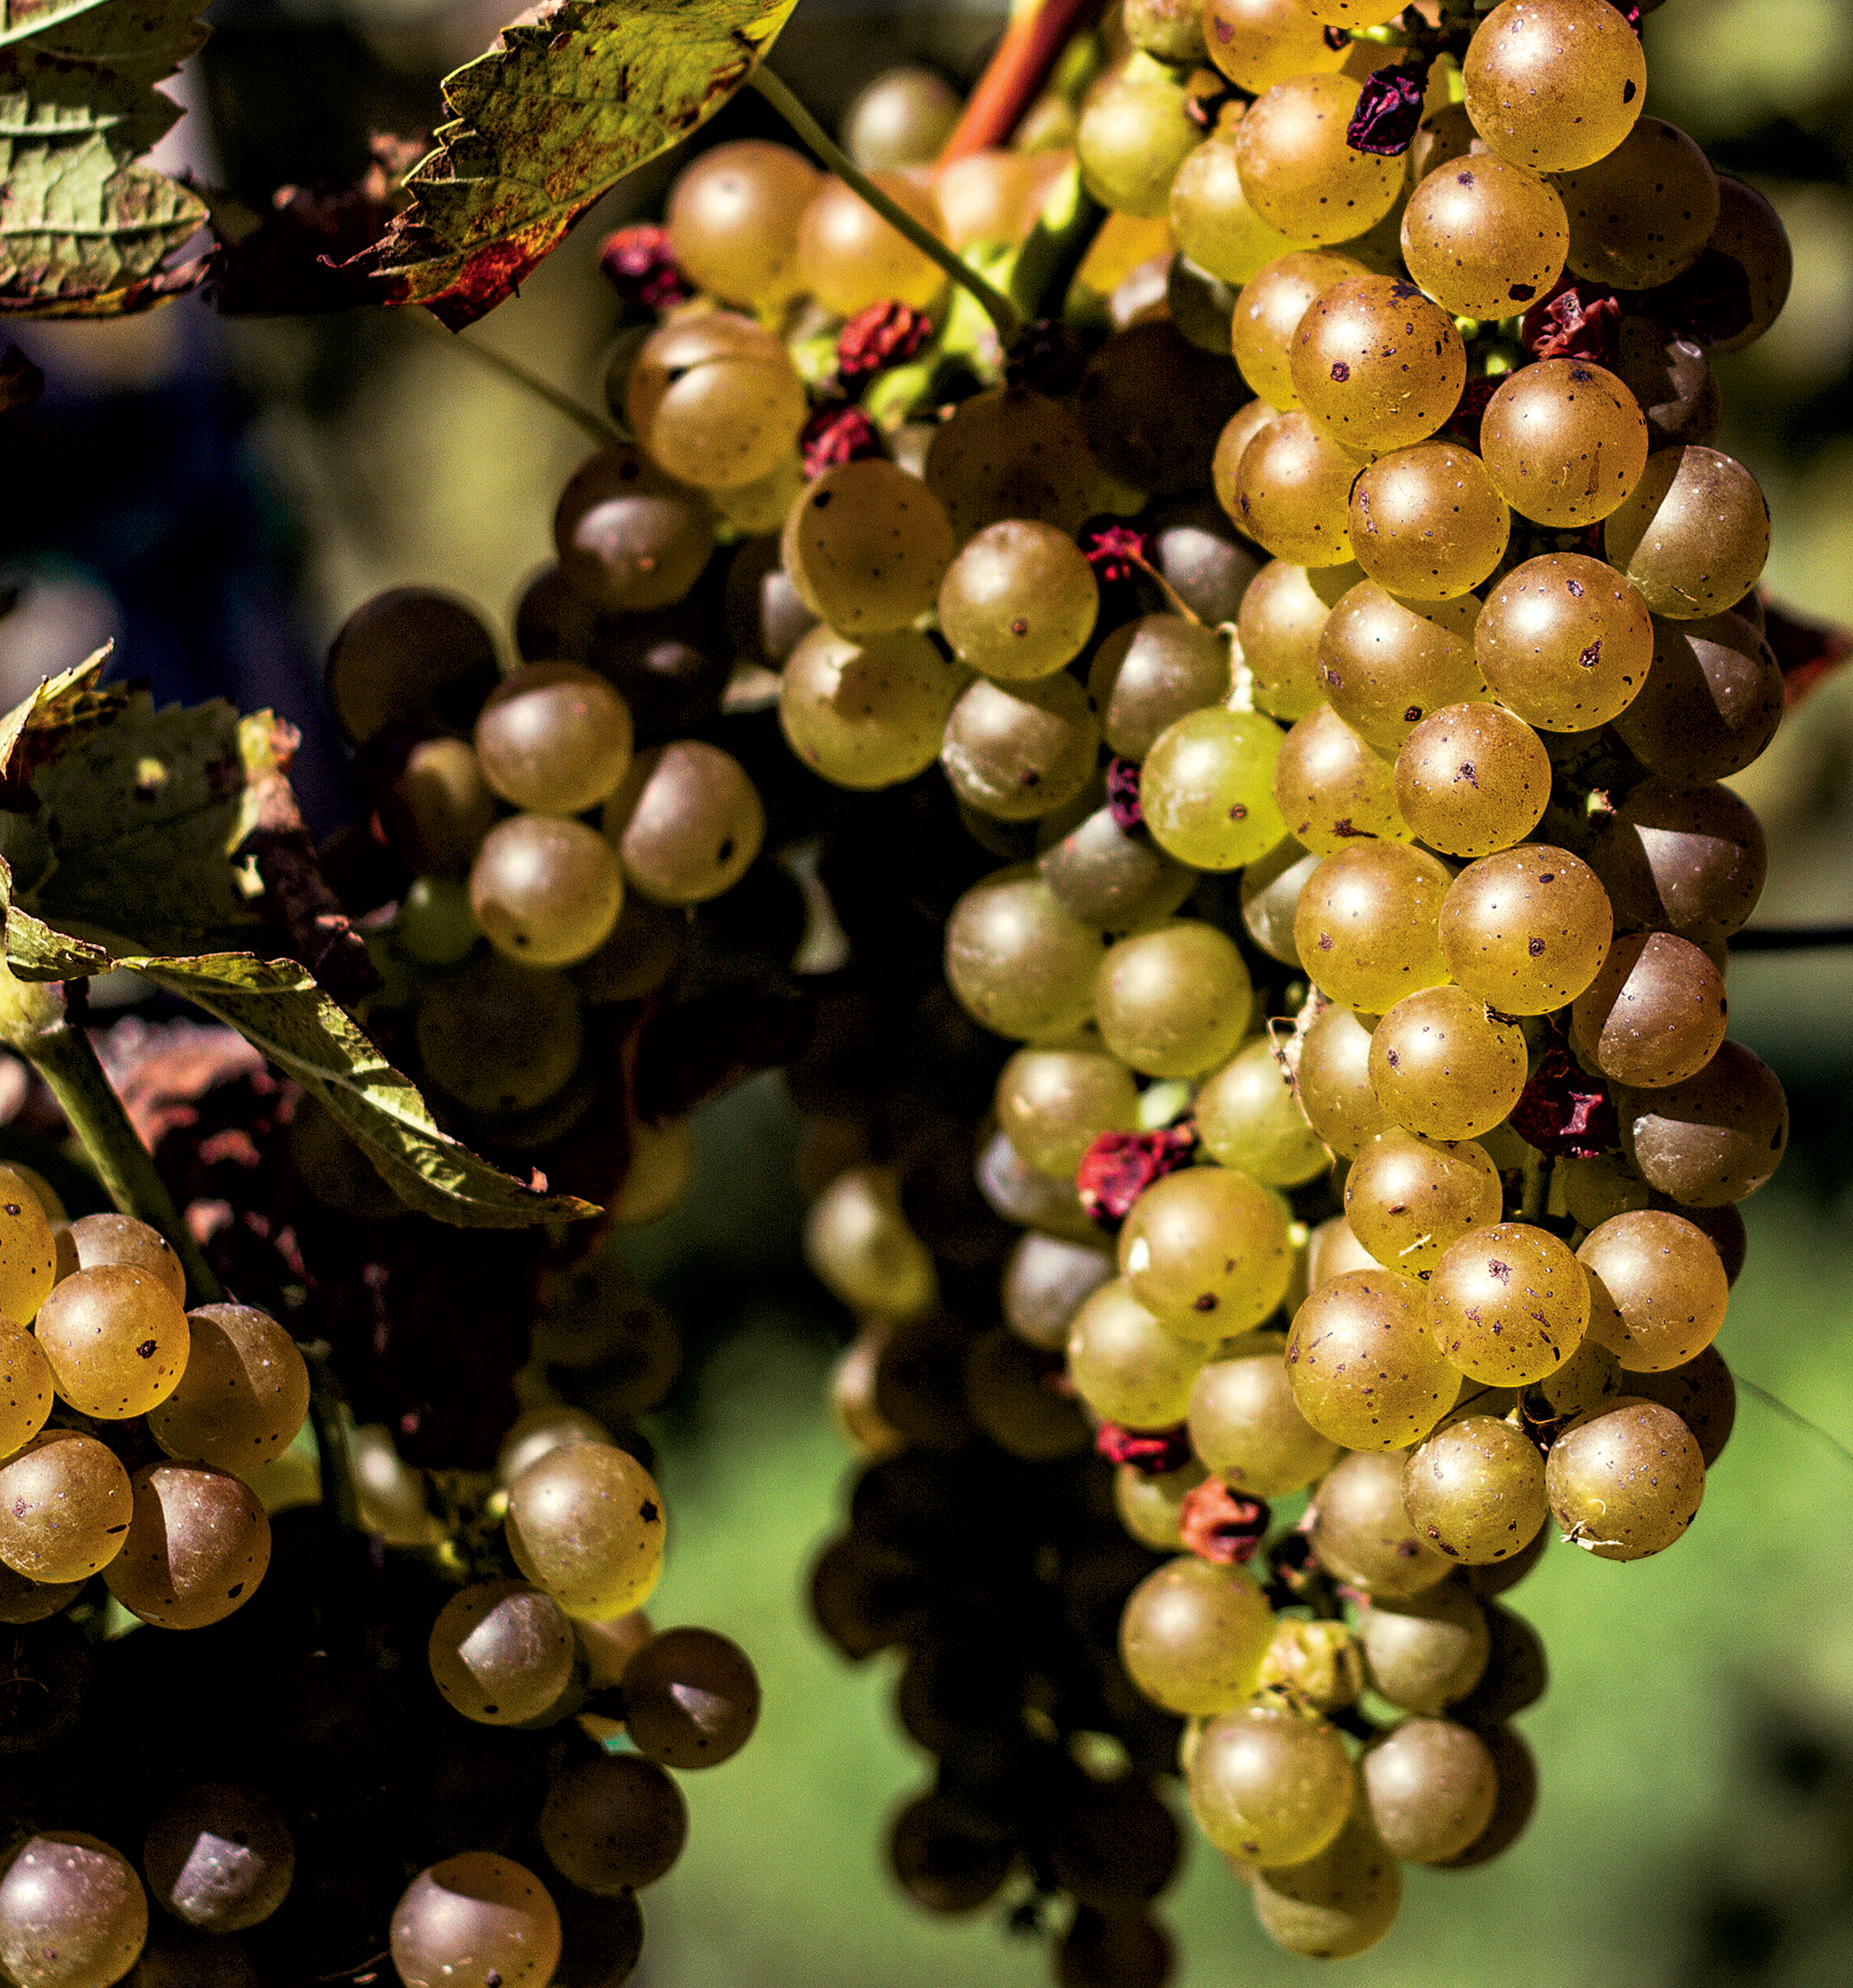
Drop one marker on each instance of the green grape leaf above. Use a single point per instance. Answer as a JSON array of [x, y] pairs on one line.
[[62, 711], [85, 231], [551, 117]]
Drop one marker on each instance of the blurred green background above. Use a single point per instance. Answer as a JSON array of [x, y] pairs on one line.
[[219, 495]]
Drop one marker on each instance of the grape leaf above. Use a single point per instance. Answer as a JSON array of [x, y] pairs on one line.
[[62, 711], [85, 231], [553, 115]]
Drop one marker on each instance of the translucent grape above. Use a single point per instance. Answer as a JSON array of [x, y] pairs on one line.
[[1206, 1250], [1270, 894], [1669, 374], [858, 1243], [1526, 930], [1564, 441], [1132, 137], [1153, 405], [416, 657], [1125, 1365], [1376, 364], [1654, 1015], [1112, 878], [1693, 534], [1426, 1651], [479, 1912], [72, 1912], [1019, 601], [1206, 788], [1626, 1481], [1566, 642], [1211, 220], [1175, 1001], [734, 215], [1553, 85], [867, 546], [1293, 493], [1053, 1104], [117, 1341], [500, 1038], [1361, 1533], [1657, 1290], [1335, 1082], [1336, 1904], [1426, 523], [1712, 1138], [1016, 752], [1691, 860], [28, 1251], [1151, 672], [220, 1857], [66, 1509], [1247, 1117], [1483, 237], [1431, 1786], [867, 713], [1711, 703], [1701, 1394], [1364, 1370], [1332, 788], [1019, 962], [1750, 233], [850, 257], [1247, 1428], [1508, 1304], [545, 891], [1444, 1066], [902, 118], [1475, 1490], [994, 197], [438, 807], [1257, 44], [244, 1395], [1150, 1508], [628, 536], [554, 739], [686, 822], [585, 1524], [1268, 1786], [1283, 615], [196, 1547], [26, 1384], [1192, 1637], [501, 1652], [1300, 176], [1272, 302], [1010, 454], [1366, 924], [1641, 213], [715, 398], [1045, 1282], [1332, 1249], [1386, 664], [1471, 779], [1409, 1198]]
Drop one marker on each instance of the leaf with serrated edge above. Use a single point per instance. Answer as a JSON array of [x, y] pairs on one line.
[[551, 117], [54, 716]]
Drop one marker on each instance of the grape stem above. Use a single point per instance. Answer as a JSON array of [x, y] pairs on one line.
[[1055, 247], [34, 1022], [1016, 75], [341, 1499], [606, 434], [1794, 1415], [996, 306]]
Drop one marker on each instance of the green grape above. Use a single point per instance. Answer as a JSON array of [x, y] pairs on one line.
[[500, 1652], [1153, 405], [1124, 1363], [867, 713], [1553, 85], [1206, 788], [1192, 1637], [1626, 1481], [1475, 1490], [1246, 1426], [691, 1698], [1053, 1104], [244, 1395], [220, 1857], [1257, 44], [545, 891], [902, 118], [1701, 1394], [1132, 137], [849, 257], [472, 1916], [1483, 237], [28, 1249], [1471, 779], [1010, 454], [1508, 1304], [438, 807], [1657, 1290], [1211, 220], [1151, 1508], [1283, 615], [1273, 301], [1364, 1370], [554, 739], [1247, 1117], [1642, 212], [1332, 1249], [1269, 1786], [1444, 1066], [627, 535], [1409, 1198], [586, 1525], [1565, 640], [1293, 493], [1564, 441], [416, 657], [1206, 1250], [1712, 1138], [1750, 232], [1526, 930], [1019, 602], [1654, 1015], [500, 1038], [1150, 674], [859, 1244], [1174, 1001], [1386, 664], [1669, 374], [1331, 788], [1361, 1534], [866, 545], [1431, 1785], [715, 398], [1366, 924], [1231, 445], [1426, 523], [1198, 307], [1711, 703], [117, 1340], [732, 216], [1693, 534], [1315, 1663], [764, 503], [1017, 961], [1300, 176], [1375, 364], [67, 1507], [26, 1384], [72, 1912], [1336, 1904], [1016, 752], [686, 822], [993, 199], [1335, 1082], [1046, 1281], [532, 1436], [1691, 860], [1425, 1653], [1593, 1189], [1587, 1380], [1270, 894], [1113, 877], [1170, 30], [1205, 561], [196, 1547]]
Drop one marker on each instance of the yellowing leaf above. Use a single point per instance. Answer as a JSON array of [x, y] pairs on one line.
[[552, 117]]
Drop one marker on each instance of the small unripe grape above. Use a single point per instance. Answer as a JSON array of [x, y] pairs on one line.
[[1376, 364], [1443, 1065], [867, 546], [1641, 213], [72, 1912], [1483, 237], [1471, 779], [1192, 1637], [196, 1548], [1246, 1426], [1336, 1904], [1019, 751], [1206, 1250], [1269, 312], [715, 399], [1011, 453], [1283, 613], [1407, 1198], [1300, 176], [1655, 1014], [628, 536], [1366, 924], [1211, 220], [501, 1652], [1508, 1304], [1017, 961], [1293, 493], [1362, 1532], [1553, 85], [849, 257], [1132, 137], [1268, 1786], [1657, 1290], [1386, 664], [1151, 672], [1332, 788], [1335, 1082], [1426, 1651], [1247, 1117], [545, 891], [1053, 1104], [686, 822], [1475, 1490], [1625, 1481], [1565, 640], [244, 1395], [870, 713], [1526, 930], [472, 1916], [1712, 1138], [1364, 1368], [1019, 601], [1174, 1001], [732, 216], [1206, 788], [1124, 1363], [1564, 441], [586, 1525], [117, 1340], [1693, 536], [1426, 523]]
